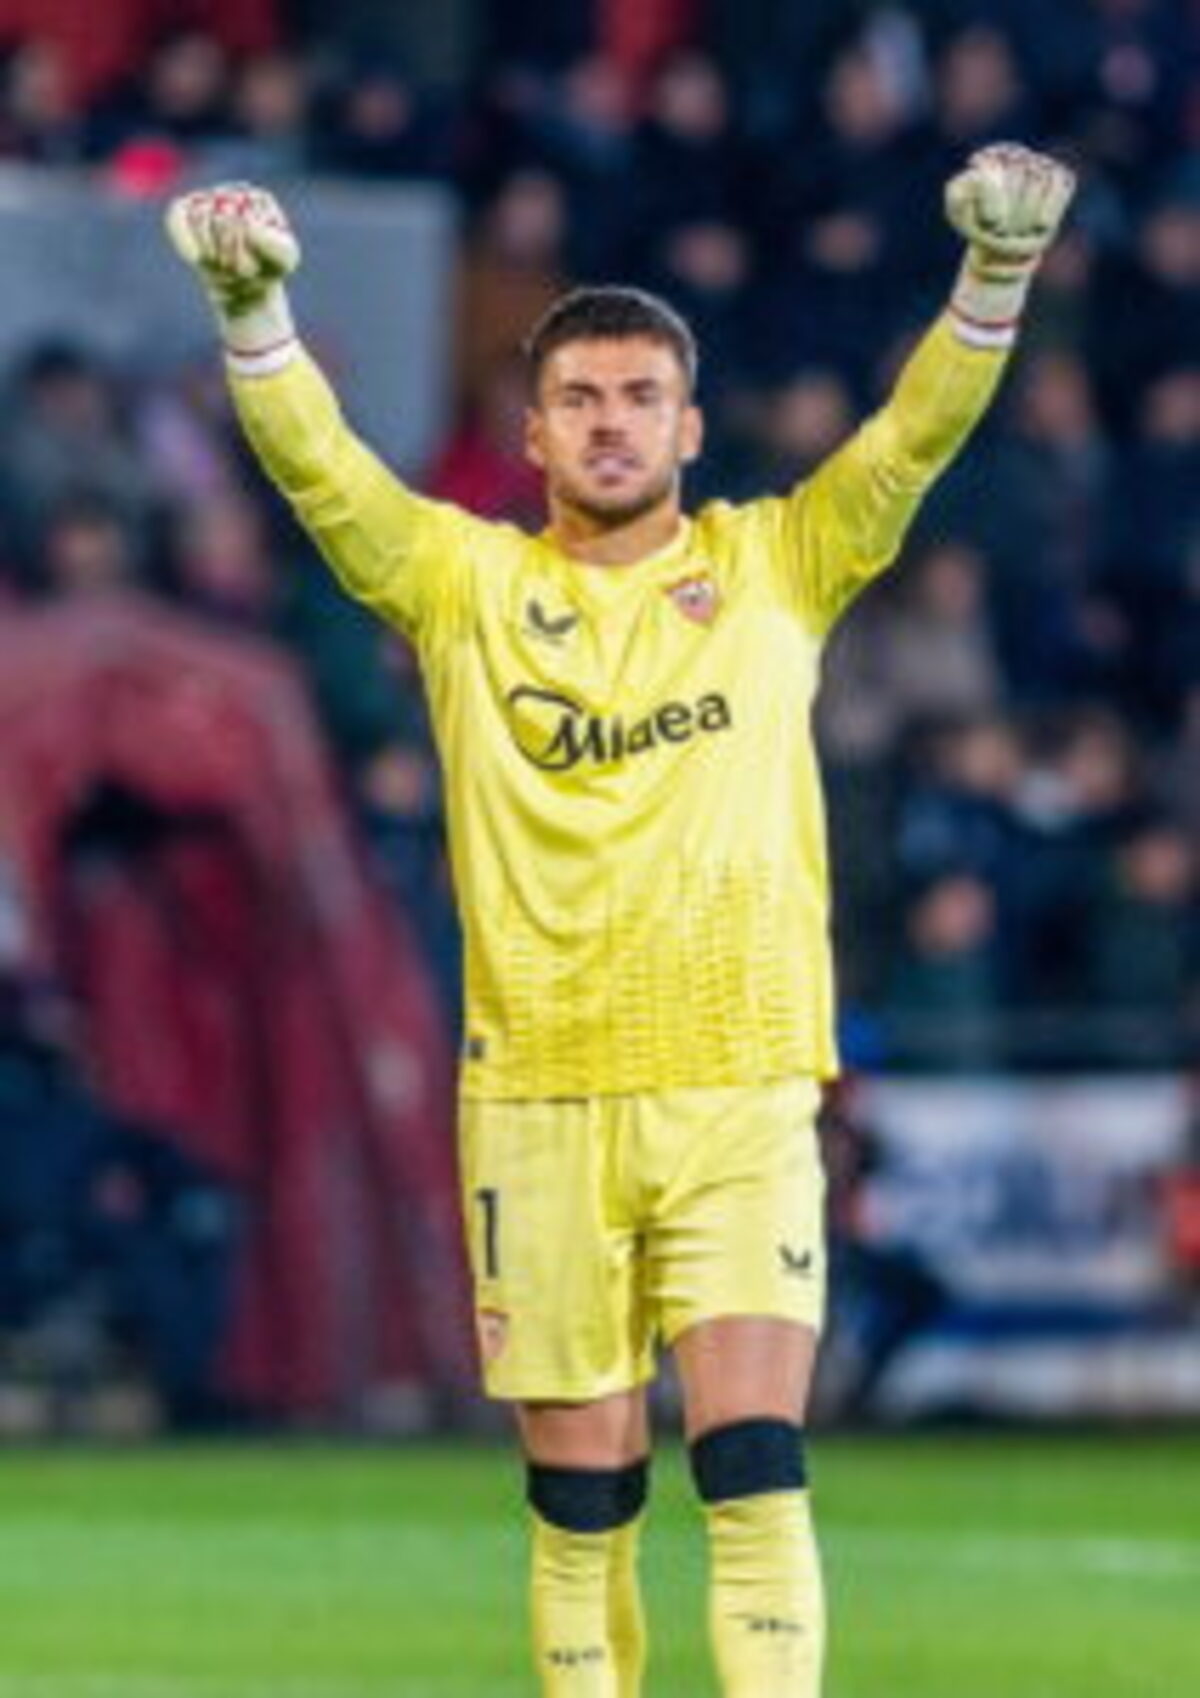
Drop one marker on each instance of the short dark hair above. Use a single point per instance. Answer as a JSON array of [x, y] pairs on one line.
[[610, 313]]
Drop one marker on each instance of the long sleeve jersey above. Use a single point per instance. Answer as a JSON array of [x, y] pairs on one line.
[[633, 802]]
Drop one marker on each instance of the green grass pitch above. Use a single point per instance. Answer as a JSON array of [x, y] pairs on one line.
[[981, 1567]]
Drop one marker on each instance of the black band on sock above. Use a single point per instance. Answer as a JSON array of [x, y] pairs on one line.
[[588, 1500], [747, 1458]]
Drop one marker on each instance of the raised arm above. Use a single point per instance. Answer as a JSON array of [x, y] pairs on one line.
[[390, 548], [846, 523]]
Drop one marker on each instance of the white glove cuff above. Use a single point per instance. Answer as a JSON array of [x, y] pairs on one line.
[[262, 339], [987, 299]]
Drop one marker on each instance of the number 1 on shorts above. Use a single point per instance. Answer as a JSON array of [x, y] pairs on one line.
[[488, 1198]]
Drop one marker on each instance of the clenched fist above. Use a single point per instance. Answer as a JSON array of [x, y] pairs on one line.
[[1009, 202], [240, 244]]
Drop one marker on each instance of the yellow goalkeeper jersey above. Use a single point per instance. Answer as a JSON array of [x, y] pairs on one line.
[[633, 802]]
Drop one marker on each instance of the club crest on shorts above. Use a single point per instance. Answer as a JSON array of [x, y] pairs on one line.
[[492, 1327], [696, 597]]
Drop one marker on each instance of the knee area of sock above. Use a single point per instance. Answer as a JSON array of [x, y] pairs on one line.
[[748, 1459], [587, 1500]]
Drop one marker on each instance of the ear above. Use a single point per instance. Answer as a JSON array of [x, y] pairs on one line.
[[691, 435], [535, 452]]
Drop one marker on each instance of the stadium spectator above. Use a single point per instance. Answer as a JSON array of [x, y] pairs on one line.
[[576, 127], [359, 681], [961, 803], [583, 133], [687, 165], [64, 434], [511, 267], [1142, 961], [801, 422], [102, 45], [946, 986], [38, 120], [1135, 100], [938, 648], [180, 426], [1080, 790], [980, 92], [483, 466], [374, 123], [87, 549], [1154, 550], [181, 97], [1066, 308], [854, 173], [1044, 525], [222, 565], [704, 267], [269, 132], [770, 47], [1149, 303], [918, 659]]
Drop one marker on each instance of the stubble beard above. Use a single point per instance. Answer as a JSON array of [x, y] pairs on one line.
[[620, 510]]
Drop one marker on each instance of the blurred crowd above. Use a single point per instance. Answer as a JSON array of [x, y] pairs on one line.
[[1011, 723]]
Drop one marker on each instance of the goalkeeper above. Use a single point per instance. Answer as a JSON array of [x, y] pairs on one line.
[[621, 705]]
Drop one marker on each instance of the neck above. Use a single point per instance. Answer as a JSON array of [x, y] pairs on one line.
[[582, 536]]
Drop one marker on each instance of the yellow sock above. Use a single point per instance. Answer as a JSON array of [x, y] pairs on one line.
[[766, 1602], [571, 1603], [626, 1617]]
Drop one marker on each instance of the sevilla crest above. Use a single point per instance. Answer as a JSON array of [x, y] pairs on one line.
[[696, 598]]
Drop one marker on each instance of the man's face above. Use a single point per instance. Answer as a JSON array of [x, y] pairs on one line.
[[612, 426]]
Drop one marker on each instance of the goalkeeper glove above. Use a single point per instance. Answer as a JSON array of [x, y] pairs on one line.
[[1008, 204], [241, 246]]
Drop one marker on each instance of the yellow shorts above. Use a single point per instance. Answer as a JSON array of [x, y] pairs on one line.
[[599, 1226]]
